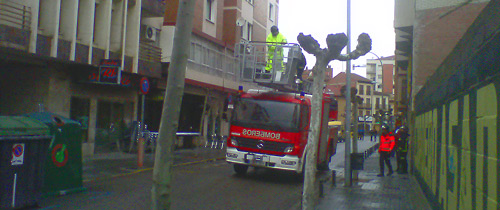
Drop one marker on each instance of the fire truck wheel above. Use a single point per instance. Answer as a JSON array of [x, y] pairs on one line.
[[240, 169]]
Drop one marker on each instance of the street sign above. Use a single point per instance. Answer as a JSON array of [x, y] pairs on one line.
[[365, 118], [17, 154], [145, 85]]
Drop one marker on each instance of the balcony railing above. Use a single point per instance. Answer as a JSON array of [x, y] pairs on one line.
[[15, 23], [154, 7], [212, 62], [365, 106], [15, 15], [148, 51]]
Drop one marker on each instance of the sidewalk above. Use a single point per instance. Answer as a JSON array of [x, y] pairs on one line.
[[398, 191]]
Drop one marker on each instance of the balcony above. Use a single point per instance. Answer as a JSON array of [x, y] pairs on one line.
[[149, 51], [149, 59], [365, 106], [212, 62], [153, 8], [15, 24]]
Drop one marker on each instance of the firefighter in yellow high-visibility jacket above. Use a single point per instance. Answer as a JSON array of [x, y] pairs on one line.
[[275, 37]]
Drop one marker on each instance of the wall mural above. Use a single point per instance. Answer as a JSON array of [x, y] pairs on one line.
[[456, 150]]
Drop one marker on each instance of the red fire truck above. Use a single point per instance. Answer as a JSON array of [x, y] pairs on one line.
[[270, 129]]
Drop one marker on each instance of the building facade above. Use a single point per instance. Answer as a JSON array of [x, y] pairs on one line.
[[212, 73], [370, 99], [51, 53], [453, 99]]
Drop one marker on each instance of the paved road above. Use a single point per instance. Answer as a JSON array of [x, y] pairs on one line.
[[206, 185], [210, 185]]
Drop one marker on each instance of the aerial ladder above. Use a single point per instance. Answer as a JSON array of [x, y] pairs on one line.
[[272, 65]]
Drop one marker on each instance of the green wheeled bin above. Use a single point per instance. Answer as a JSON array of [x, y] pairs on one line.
[[63, 167], [23, 147]]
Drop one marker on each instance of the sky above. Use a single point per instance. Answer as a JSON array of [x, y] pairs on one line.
[[322, 17]]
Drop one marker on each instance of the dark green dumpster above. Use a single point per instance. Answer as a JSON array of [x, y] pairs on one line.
[[23, 145], [63, 167]]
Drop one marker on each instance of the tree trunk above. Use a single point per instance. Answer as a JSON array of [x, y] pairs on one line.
[[162, 172]]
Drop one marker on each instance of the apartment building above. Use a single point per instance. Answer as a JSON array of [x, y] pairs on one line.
[[212, 73], [52, 51], [381, 71], [365, 88]]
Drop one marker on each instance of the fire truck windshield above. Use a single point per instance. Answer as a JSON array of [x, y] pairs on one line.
[[264, 114]]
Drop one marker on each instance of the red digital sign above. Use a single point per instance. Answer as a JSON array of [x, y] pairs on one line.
[[110, 71]]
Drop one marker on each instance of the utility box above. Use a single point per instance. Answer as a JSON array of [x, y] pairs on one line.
[[23, 148], [357, 161], [63, 166]]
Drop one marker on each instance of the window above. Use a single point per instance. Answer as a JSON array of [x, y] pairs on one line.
[[377, 104], [368, 101], [368, 90], [271, 12], [210, 10], [361, 90], [360, 114], [264, 114], [247, 32], [368, 113], [383, 103]]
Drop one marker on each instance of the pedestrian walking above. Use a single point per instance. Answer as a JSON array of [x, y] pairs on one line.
[[361, 134], [402, 150], [373, 135], [387, 143]]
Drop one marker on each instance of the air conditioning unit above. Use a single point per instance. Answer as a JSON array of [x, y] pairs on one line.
[[150, 33]]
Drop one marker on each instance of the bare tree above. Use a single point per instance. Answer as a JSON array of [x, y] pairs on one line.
[[335, 43], [161, 192]]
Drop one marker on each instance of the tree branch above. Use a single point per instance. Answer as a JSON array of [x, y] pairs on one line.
[[364, 46], [309, 44], [335, 43]]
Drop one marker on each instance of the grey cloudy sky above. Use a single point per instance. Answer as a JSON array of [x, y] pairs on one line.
[[322, 17]]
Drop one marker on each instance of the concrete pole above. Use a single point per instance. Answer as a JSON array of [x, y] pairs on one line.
[[348, 169], [162, 172]]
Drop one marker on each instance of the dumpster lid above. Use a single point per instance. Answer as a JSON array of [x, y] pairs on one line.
[[51, 118], [22, 126]]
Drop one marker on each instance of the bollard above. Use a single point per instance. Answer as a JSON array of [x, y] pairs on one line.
[[140, 152], [334, 175], [321, 194]]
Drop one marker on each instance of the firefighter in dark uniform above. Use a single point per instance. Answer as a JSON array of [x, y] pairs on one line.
[[301, 65], [387, 143], [402, 149]]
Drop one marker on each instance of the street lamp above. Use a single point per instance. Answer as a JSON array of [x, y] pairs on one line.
[[381, 66]]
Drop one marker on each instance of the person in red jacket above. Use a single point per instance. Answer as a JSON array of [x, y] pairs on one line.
[[387, 143]]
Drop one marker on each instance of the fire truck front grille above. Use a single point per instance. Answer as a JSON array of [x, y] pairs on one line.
[[263, 145]]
